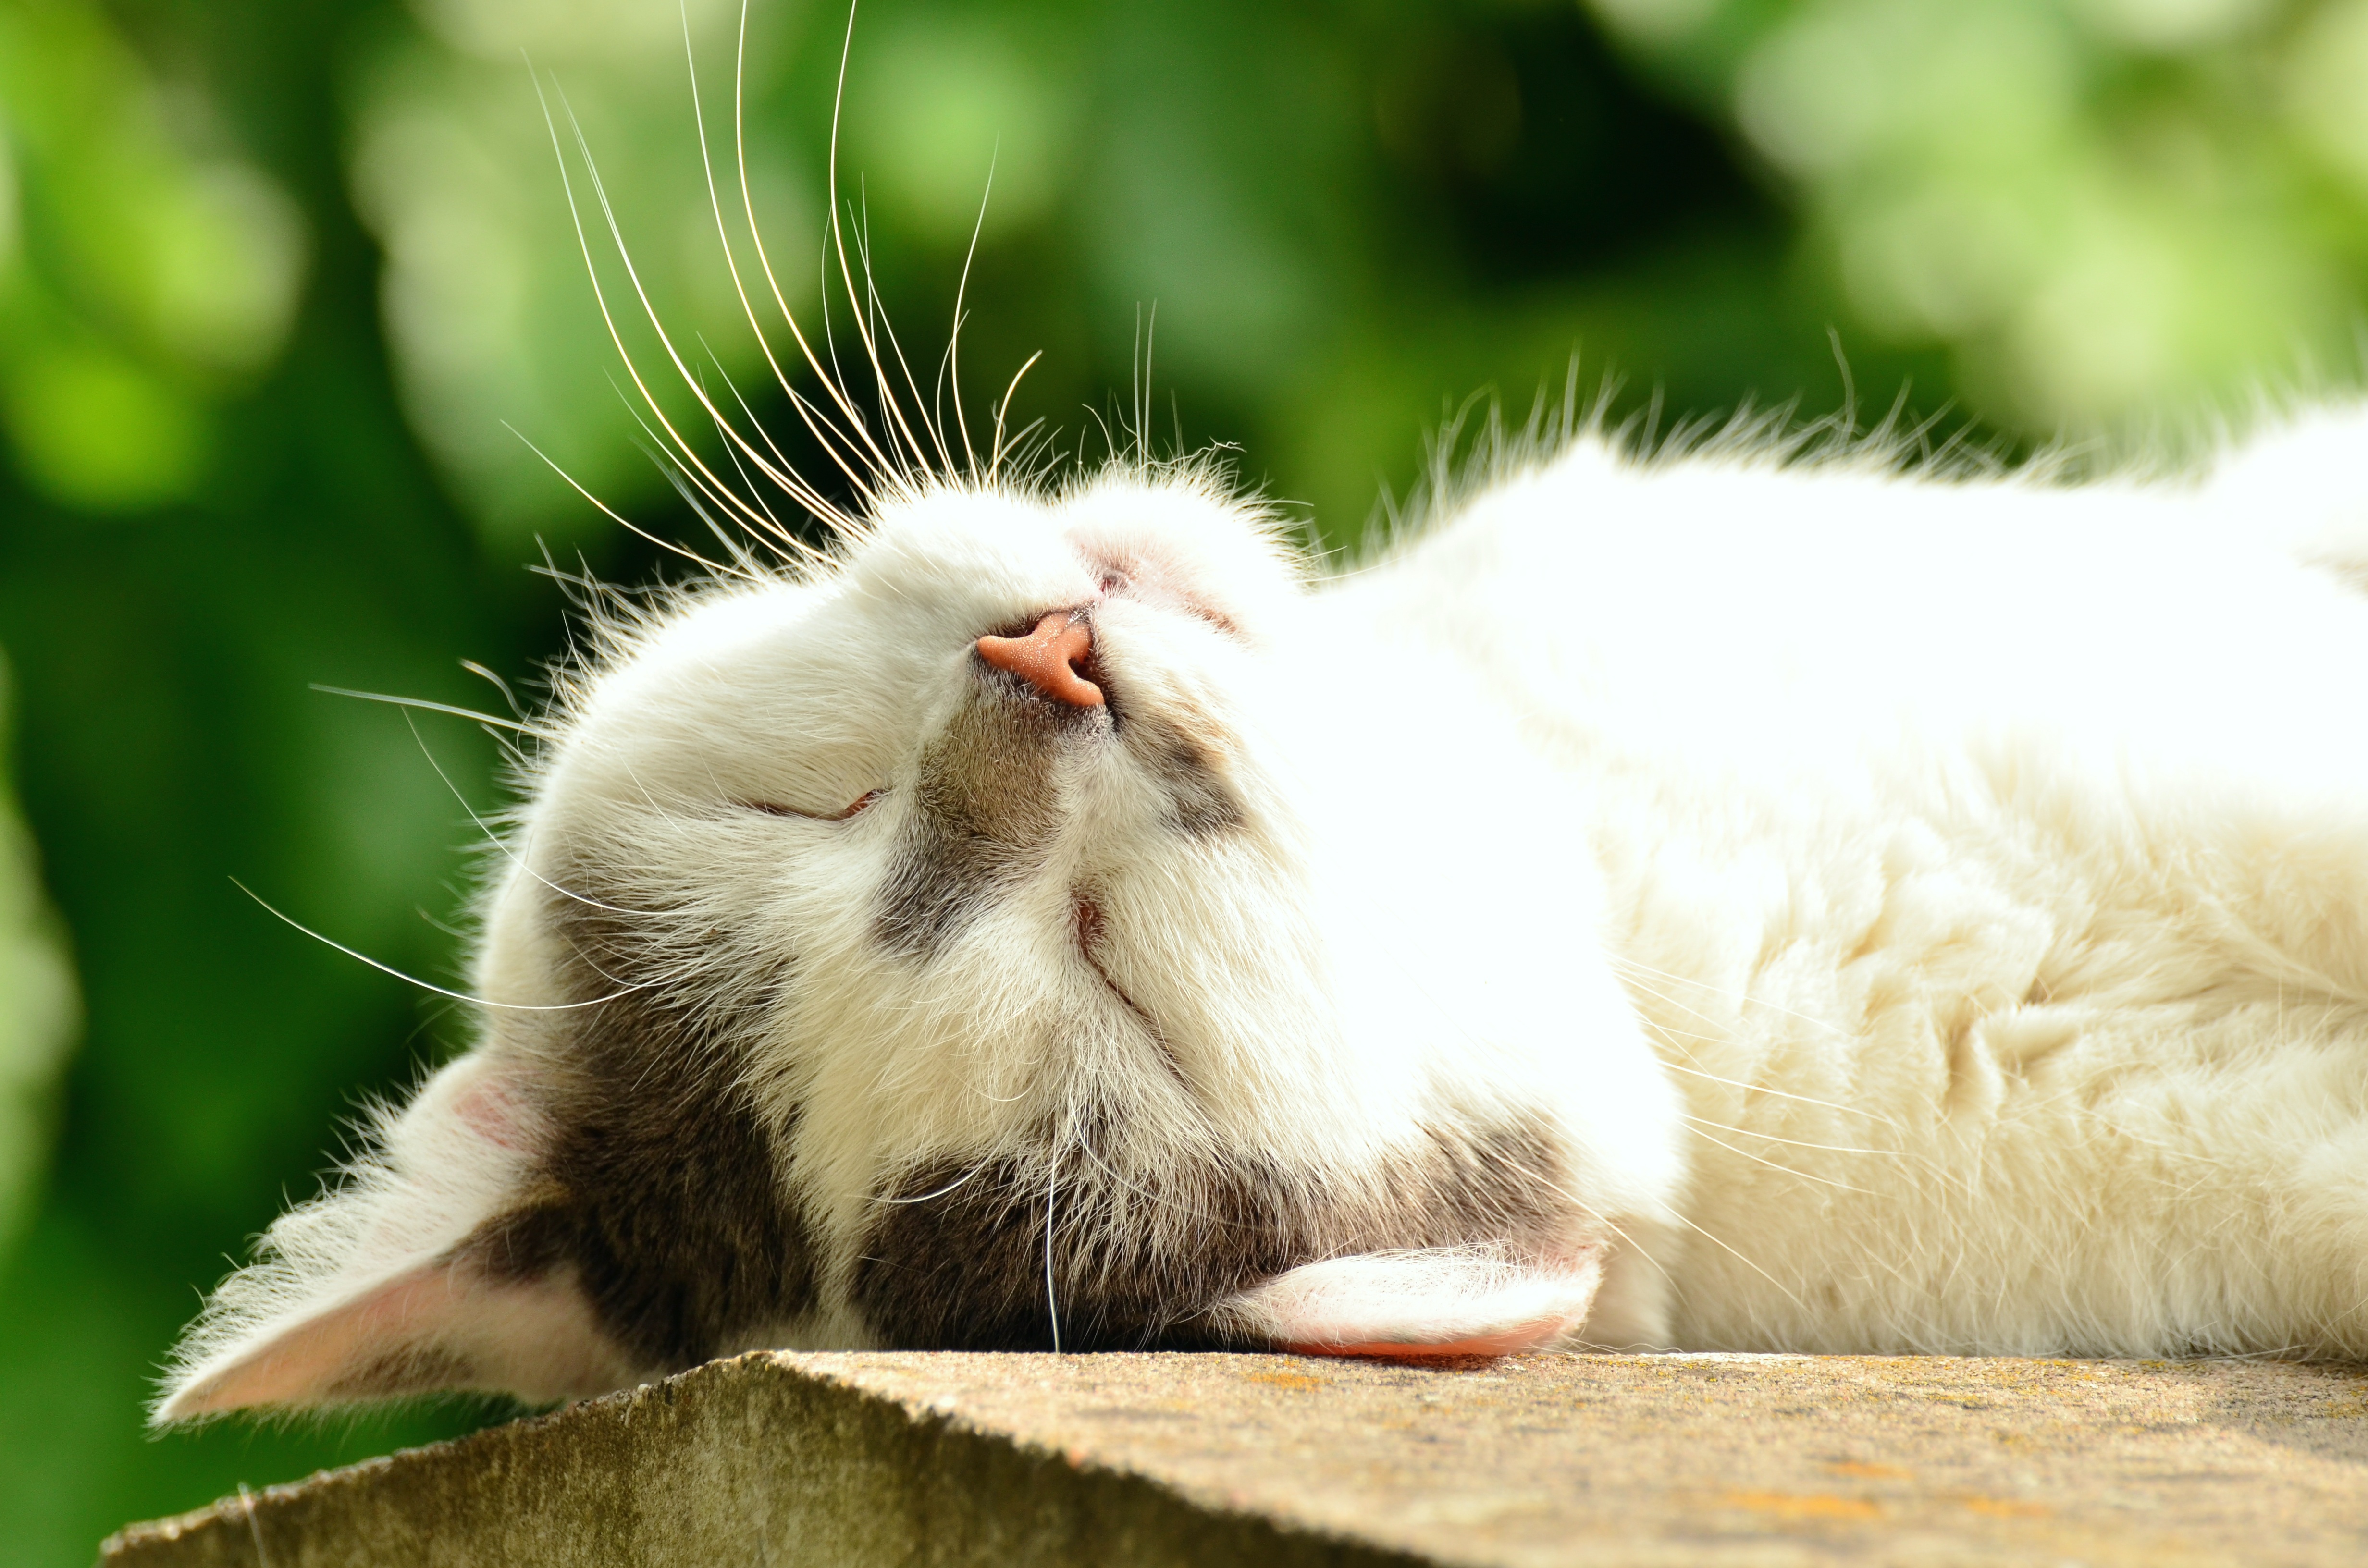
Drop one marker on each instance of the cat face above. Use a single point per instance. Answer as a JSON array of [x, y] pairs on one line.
[[931, 950]]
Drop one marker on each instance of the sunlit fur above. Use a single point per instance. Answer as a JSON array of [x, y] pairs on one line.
[[1850, 903]]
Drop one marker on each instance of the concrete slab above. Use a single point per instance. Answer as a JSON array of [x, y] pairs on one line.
[[916, 1459]]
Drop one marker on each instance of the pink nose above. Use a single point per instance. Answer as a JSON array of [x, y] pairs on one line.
[[1047, 659]]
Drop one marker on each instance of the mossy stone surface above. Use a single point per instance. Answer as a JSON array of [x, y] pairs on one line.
[[855, 1460]]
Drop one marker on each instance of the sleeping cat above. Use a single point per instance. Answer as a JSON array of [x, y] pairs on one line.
[[1704, 901], [1726, 898]]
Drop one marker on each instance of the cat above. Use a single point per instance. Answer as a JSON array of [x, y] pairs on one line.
[[1735, 897], [1702, 900]]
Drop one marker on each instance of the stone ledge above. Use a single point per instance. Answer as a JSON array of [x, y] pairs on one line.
[[859, 1459]]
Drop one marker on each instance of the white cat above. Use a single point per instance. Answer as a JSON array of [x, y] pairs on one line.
[[1725, 899], [1708, 900]]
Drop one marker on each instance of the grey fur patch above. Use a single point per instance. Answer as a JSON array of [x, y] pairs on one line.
[[664, 1186], [985, 807], [1202, 799], [1137, 1257]]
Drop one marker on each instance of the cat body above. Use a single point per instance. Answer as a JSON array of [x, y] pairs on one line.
[[1705, 900], [1984, 862]]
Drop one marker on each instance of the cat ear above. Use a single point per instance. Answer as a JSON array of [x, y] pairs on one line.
[[1434, 1302], [437, 1264]]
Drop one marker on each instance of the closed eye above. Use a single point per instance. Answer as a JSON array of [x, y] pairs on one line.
[[773, 808], [1118, 577]]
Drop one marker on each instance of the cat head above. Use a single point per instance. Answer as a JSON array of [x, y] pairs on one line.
[[926, 949]]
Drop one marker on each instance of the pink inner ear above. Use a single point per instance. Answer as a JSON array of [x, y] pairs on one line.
[[304, 1362], [434, 1326], [489, 1105], [1427, 1304]]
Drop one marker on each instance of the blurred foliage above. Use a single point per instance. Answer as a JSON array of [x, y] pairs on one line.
[[293, 308], [144, 269], [2107, 212], [167, 740], [36, 1012]]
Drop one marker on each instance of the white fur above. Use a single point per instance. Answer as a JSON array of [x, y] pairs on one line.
[[1932, 912]]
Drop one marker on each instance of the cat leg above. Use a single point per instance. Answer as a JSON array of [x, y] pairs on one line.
[[1418, 1304]]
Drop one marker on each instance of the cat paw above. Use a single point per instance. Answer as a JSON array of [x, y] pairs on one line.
[[1425, 1305]]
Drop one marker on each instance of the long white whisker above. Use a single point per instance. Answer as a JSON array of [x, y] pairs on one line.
[[500, 685], [1743, 996], [961, 290], [960, 1181], [420, 702], [835, 382], [876, 309], [427, 985], [606, 510], [683, 487], [1773, 1166], [737, 549], [1051, 1303], [785, 545], [1796, 1142], [840, 524], [890, 409], [825, 430], [718, 491], [721, 492], [1002, 409], [496, 839], [1778, 1094], [778, 537], [1739, 1257], [599, 292], [1143, 402]]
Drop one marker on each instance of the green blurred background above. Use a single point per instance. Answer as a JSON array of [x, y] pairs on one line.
[[283, 283]]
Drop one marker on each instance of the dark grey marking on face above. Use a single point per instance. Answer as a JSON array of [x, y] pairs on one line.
[[1202, 799], [965, 1270], [1139, 1257], [663, 1187], [985, 807]]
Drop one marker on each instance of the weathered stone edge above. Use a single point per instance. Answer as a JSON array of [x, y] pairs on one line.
[[1009, 1499]]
